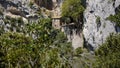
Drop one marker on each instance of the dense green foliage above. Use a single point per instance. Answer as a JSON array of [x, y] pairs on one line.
[[20, 51], [38, 45], [72, 9], [115, 18], [48, 50], [108, 55]]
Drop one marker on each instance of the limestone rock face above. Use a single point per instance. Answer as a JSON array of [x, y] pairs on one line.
[[96, 27], [14, 11], [19, 7], [73, 35]]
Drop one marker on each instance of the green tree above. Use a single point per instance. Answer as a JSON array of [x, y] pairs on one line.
[[15, 50], [73, 9], [49, 50]]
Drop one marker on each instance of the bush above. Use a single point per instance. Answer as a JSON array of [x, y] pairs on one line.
[[73, 9], [108, 54], [79, 51], [49, 50], [115, 18]]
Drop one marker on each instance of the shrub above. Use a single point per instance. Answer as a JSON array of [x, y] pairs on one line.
[[115, 18], [78, 50], [108, 53], [49, 50], [73, 9]]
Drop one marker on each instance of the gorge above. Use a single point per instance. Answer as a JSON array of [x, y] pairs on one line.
[[59, 33]]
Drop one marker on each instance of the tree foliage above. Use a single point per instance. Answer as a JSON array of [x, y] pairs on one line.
[[48, 50], [115, 18], [108, 55], [72, 8]]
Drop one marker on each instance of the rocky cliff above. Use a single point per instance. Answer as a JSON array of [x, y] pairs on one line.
[[95, 30], [15, 14], [96, 27], [18, 8]]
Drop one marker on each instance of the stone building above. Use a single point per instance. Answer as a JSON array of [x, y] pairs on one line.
[[54, 6], [56, 22], [56, 15]]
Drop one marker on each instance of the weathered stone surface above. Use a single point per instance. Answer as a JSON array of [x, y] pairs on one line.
[[96, 27], [16, 9], [74, 36], [77, 40], [96, 33]]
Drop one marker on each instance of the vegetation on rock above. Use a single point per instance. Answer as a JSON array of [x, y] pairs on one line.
[[72, 9], [38, 45], [115, 18], [98, 20], [108, 54], [48, 50]]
